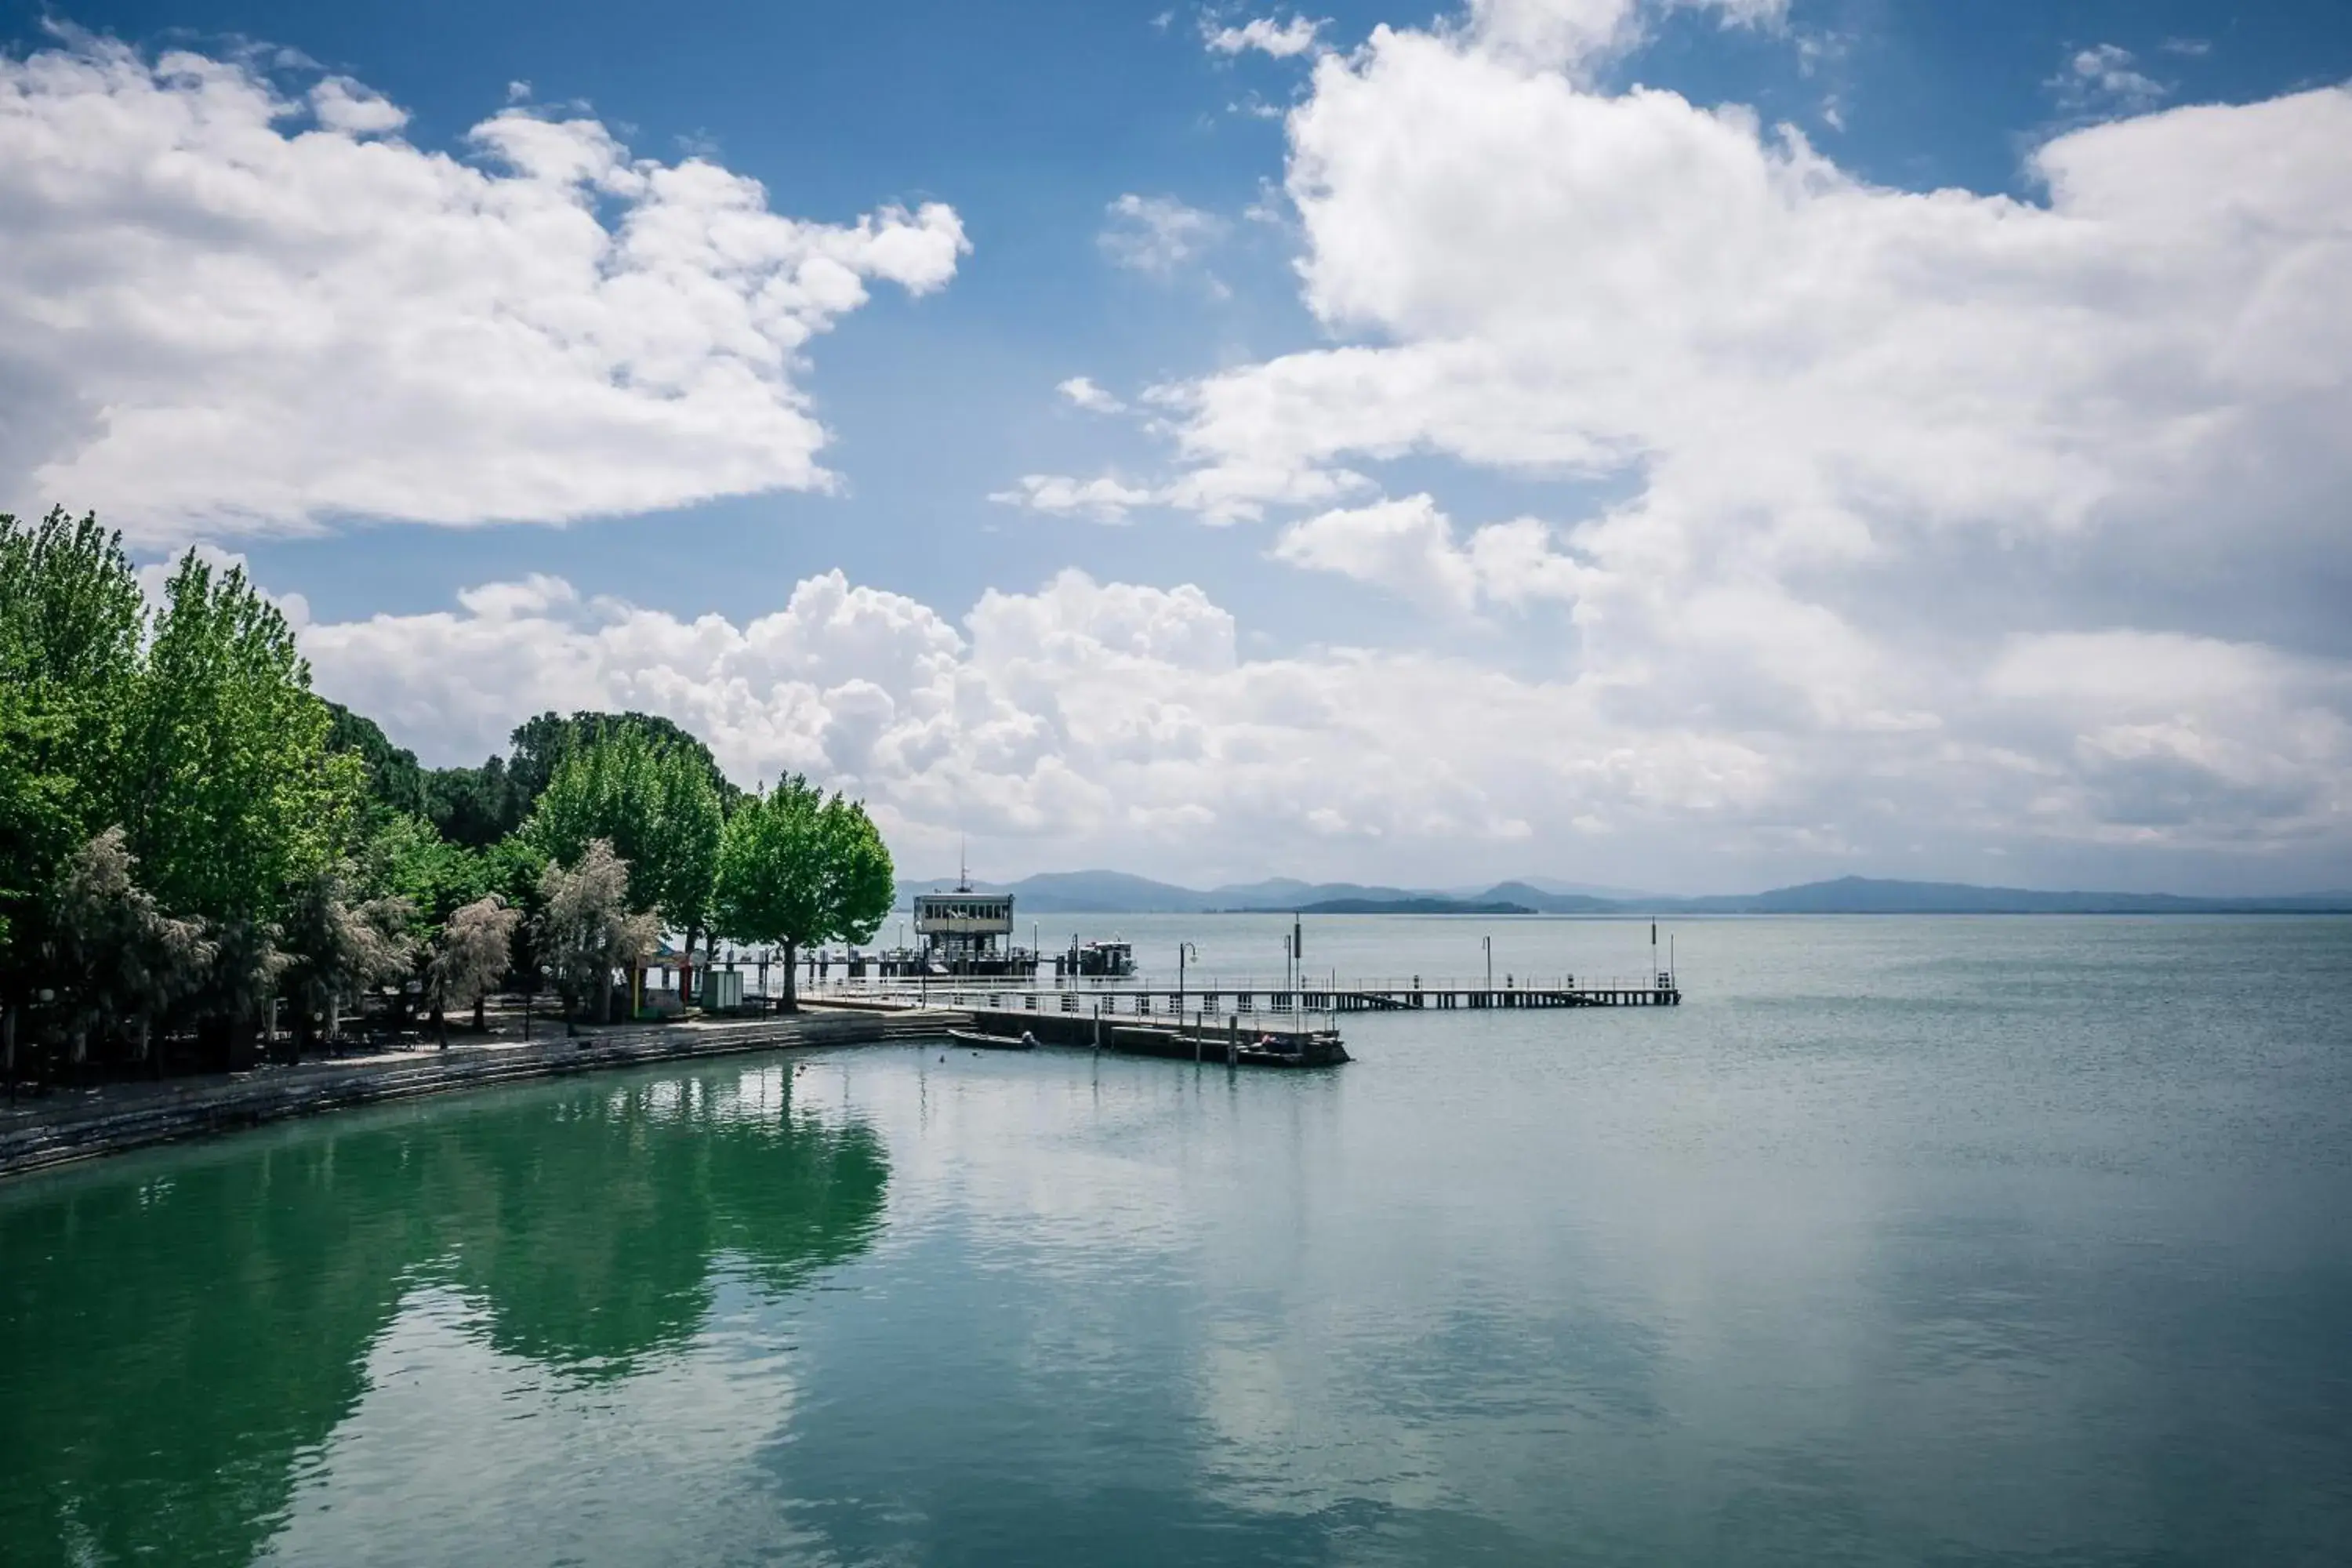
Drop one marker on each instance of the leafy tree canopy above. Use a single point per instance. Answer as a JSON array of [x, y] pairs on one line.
[[796, 868], [541, 744], [233, 796], [187, 831], [71, 624], [652, 801]]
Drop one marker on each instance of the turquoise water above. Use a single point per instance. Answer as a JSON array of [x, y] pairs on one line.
[[2023, 1240]]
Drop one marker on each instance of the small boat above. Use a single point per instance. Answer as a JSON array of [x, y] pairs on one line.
[[992, 1042]]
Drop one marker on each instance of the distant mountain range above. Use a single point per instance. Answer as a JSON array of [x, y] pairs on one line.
[[1411, 907], [1117, 892]]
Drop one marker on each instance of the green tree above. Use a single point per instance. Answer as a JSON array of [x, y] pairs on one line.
[[863, 883], [234, 798], [395, 785], [796, 869], [476, 807], [470, 957], [235, 807], [653, 802], [71, 624], [540, 746], [515, 870], [119, 957], [339, 945], [587, 928]]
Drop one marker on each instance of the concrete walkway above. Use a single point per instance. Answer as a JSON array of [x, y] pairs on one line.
[[68, 1125]]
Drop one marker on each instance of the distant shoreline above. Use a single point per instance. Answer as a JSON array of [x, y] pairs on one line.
[[1661, 911], [1117, 893]]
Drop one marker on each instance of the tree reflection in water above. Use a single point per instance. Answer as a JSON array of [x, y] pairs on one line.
[[177, 1330]]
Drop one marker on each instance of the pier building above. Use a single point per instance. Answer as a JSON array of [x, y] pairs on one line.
[[964, 933]]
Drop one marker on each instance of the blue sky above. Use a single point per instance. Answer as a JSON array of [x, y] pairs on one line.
[[1633, 747]]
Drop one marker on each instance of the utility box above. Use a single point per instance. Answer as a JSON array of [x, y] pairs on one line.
[[722, 991]]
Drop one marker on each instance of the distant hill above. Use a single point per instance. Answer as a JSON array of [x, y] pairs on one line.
[[1411, 906], [1288, 893], [1870, 896], [1117, 892], [1552, 887], [1539, 901]]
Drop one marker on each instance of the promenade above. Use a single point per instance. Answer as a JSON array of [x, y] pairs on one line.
[[68, 1124]]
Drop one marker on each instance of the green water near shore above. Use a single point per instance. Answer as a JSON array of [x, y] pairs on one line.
[[1999, 1240]]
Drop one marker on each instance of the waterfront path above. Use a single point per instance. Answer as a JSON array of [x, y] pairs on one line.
[[76, 1124]]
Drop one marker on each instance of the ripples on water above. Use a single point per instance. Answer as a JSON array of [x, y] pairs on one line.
[[1904, 1240]]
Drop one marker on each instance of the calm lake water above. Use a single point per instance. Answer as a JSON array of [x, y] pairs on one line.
[[2007, 1240]]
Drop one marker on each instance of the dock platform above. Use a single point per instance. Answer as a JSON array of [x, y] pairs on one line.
[[1226, 1041], [1213, 1000]]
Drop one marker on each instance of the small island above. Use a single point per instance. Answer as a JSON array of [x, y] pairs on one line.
[[1408, 907]]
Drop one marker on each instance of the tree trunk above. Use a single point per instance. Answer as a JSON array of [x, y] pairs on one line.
[[792, 976], [604, 993], [8, 1048], [243, 1044], [481, 1024], [440, 1019], [686, 972]]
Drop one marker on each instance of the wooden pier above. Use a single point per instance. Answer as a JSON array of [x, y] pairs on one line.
[[1214, 1001], [1247, 1009], [1225, 1041]]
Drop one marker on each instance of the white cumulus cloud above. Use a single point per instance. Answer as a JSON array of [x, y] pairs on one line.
[[1866, 448], [1120, 723], [225, 309], [1082, 391], [1409, 548], [1575, 34], [1264, 33], [2104, 78], [1103, 498], [1157, 235]]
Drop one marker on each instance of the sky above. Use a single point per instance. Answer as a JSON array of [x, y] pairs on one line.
[[1686, 445]]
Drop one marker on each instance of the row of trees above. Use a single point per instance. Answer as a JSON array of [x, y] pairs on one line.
[[788, 868], [190, 840]]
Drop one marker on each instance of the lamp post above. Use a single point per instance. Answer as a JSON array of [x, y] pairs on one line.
[[1183, 950], [1490, 962]]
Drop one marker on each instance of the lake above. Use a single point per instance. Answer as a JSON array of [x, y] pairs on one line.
[[1903, 1240]]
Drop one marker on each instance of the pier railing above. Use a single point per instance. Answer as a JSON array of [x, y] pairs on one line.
[[1212, 995], [1198, 980]]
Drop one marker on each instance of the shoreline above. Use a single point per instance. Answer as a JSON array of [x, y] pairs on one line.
[[71, 1128]]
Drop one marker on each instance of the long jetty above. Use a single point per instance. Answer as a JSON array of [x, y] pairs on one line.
[[1267, 1042], [1212, 1000]]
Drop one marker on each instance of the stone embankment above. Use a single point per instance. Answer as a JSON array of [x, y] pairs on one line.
[[69, 1126]]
